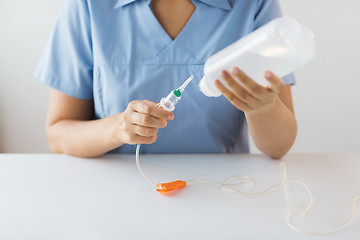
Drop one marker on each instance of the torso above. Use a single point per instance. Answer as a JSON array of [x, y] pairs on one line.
[[145, 51]]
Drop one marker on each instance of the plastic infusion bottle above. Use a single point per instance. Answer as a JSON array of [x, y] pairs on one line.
[[281, 46]]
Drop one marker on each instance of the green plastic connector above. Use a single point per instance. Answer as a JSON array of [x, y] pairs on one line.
[[177, 93]]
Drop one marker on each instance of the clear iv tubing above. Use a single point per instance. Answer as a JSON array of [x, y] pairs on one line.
[[289, 202], [169, 103]]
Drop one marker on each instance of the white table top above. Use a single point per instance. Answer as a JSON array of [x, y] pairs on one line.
[[54, 196]]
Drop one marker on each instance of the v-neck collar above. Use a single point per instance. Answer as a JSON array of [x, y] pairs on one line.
[[223, 4], [159, 29]]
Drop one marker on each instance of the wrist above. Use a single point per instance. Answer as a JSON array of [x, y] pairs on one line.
[[113, 136]]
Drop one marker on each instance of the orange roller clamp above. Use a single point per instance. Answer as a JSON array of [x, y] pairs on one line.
[[164, 188]]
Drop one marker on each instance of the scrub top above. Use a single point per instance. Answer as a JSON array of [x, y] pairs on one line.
[[115, 51]]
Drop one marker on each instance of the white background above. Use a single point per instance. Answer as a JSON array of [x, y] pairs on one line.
[[326, 96]]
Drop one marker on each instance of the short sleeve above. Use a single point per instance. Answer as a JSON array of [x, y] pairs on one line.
[[289, 79], [268, 10], [67, 61]]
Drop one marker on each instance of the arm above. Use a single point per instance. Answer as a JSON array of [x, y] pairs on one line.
[[268, 110], [274, 131], [70, 129]]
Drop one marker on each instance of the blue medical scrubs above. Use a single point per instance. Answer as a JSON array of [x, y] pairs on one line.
[[115, 51]]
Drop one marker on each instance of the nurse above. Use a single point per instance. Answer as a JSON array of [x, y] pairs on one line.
[[108, 62]]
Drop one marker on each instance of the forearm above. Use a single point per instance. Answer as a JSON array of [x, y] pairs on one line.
[[274, 129], [82, 138]]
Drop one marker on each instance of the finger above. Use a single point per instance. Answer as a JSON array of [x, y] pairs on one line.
[[147, 140], [276, 83], [145, 131], [249, 84], [150, 108], [238, 90], [147, 120], [231, 96], [137, 139]]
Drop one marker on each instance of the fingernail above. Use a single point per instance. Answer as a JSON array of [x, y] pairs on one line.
[[268, 74], [222, 74], [171, 117], [235, 71]]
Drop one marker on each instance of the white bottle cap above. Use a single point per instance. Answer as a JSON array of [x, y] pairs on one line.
[[209, 91]]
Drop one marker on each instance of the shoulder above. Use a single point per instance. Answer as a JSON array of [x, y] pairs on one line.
[[259, 4], [88, 5], [236, 3]]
